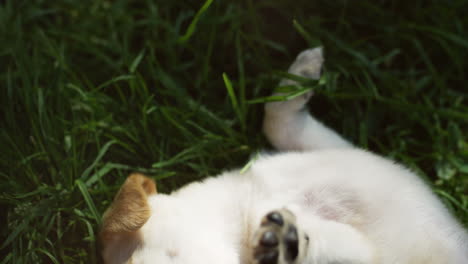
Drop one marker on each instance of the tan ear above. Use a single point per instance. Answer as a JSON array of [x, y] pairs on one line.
[[127, 214]]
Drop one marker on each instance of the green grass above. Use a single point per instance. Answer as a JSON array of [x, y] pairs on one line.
[[93, 90]]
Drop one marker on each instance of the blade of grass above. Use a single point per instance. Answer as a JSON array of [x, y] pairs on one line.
[[193, 25], [310, 40], [89, 201], [234, 102], [100, 155], [136, 62]]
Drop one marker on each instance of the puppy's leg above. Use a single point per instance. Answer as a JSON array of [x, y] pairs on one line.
[[288, 125], [282, 240]]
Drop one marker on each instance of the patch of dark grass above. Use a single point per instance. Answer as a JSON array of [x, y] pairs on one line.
[[92, 90]]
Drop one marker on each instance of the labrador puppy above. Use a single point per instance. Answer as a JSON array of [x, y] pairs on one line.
[[320, 200]]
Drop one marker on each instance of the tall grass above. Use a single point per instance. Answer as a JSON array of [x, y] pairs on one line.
[[92, 90]]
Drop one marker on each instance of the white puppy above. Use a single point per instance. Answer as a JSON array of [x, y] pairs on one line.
[[320, 201]]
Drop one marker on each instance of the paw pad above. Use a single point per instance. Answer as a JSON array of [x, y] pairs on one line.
[[276, 218], [277, 240], [269, 239]]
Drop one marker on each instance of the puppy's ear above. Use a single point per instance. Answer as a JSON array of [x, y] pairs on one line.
[[122, 221]]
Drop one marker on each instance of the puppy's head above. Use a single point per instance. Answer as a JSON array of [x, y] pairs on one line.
[[142, 227], [120, 233]]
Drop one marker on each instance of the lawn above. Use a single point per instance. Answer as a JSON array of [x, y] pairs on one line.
[[94, 90]]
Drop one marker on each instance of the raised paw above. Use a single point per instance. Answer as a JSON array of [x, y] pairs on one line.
[[278, 240], [308, 64]]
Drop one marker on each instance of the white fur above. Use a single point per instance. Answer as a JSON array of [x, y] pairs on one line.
[[355, 206]]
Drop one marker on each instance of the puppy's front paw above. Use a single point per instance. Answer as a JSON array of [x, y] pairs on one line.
[[277, 241]]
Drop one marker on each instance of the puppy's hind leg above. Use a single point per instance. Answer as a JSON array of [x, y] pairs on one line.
[[288, 125]]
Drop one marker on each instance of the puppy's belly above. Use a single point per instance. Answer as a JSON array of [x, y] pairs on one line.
[[332, 203]]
